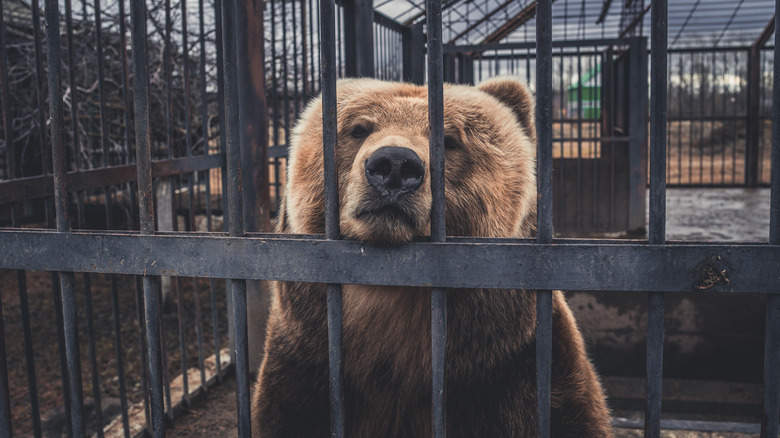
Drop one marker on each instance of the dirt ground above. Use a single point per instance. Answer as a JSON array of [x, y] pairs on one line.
[[46, 369]]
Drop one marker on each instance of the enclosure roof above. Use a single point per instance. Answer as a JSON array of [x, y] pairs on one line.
[[692, 23]]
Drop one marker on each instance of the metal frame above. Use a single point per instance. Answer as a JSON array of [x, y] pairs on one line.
[[654, 266]]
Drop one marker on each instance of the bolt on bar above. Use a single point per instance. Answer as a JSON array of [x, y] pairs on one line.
[[433, 19], [146, 210], [544, 117], [236, 229], [66, 279], [329, 139], [771, 408], [657, 225]]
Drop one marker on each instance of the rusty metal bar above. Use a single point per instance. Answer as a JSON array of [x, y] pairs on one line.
[[21, 189], [146, 205], [544, 116], [657, 225], [59, 167], [235, 194], [771, 409]]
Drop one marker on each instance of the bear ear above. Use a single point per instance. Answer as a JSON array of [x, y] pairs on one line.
[[512, 93]]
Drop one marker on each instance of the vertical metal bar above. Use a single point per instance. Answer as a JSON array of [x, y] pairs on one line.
[[657, 226], [433, 12], [140, 312], [6, 429], [679, 123], [146, 205], [771, 408], [275, 106], [721, 113], [101, 86], [186, 67], [580, 183], [120, 362], [59, 165], [296, 95], [45, 145], [562, 102], [105, 162], [285, 76], [544, 97], [329, 137], [190, 188], [304, 55], [593, 133], [73, 92], [236, 212], [57, 300], [185, 390], [10, 148], [205, 128], [168, 85], [125, 94], [32, 383], [314, 71], [219, 42], [93, 355]]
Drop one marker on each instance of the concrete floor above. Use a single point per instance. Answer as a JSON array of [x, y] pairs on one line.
[[733, 214]]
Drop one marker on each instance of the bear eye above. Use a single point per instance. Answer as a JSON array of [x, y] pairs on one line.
[[451, 143], [360, 132]]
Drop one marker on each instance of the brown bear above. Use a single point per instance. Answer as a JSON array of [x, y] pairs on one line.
[[385, 199]]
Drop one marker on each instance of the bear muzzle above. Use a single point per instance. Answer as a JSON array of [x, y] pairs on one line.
[[394, 171]]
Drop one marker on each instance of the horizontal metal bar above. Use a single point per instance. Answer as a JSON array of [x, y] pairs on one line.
[[41, 186], [448, 48], [279, 151], [713, 118], [481, 263], [692, 425]]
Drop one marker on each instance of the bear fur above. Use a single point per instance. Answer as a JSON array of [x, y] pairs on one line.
[[490, 365]]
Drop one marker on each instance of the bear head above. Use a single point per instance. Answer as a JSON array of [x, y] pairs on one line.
[[382, 159]]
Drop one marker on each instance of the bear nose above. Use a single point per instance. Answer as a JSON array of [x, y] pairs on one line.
[[394, 171]]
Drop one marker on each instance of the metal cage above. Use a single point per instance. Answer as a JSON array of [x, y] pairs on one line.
[[652, 266]]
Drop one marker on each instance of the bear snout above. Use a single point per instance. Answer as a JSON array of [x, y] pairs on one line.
[[394, 171]]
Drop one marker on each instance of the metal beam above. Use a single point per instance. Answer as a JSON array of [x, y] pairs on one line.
[[636, 22], [481, 20], [512, 24], [459, 262], [604, 10], [767, 32]]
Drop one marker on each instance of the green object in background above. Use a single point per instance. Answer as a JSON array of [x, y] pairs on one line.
[[591, 96]]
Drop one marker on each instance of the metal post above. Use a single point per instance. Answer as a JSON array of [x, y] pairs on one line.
[[544, 116], [414, 54], [359, 37], [235, 187], [771, 408], [146, 207], [657, 226], [637, 130], [753, 121], [329, 139], [433, 17]]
